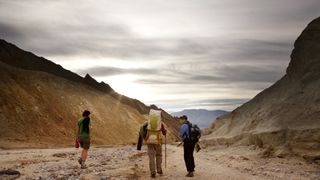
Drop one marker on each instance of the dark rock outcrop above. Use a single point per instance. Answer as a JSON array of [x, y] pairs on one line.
[[304, 62], [14, 56]]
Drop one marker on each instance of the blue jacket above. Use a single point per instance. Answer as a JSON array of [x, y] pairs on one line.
[[184, 131]]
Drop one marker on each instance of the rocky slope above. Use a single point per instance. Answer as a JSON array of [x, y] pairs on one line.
[[41, 102], [202, 117], [285, 118]]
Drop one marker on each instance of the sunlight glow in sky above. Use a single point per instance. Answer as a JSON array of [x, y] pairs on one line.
[[176, 54]]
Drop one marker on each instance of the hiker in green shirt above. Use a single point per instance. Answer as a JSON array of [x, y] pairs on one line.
[[83, 135]]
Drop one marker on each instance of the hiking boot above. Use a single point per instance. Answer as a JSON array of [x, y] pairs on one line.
[[80, 161], [198, 148], [83, 166], [190, 174], [160, 172], [153, 175]]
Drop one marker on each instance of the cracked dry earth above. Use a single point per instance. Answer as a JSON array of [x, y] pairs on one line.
[[125, 162]]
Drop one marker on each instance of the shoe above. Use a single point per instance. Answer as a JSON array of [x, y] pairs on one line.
[[80, 161], [160, 172], [198, 148], [153, 175], [83, 166], [190, 174]]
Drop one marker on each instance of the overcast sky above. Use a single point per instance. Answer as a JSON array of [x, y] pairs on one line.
[[177, 54]]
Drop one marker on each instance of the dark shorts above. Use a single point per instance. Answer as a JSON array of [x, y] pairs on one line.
[[84, 142]]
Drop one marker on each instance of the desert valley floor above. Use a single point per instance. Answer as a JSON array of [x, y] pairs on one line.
[[125, 162]]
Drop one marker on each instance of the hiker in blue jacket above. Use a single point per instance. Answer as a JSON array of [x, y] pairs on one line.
[[188, 145]]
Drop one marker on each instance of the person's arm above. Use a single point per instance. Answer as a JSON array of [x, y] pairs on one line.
[[77, 130], [163, 129], [183, 131]]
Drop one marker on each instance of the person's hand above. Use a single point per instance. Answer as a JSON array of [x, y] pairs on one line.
[[76, 143]]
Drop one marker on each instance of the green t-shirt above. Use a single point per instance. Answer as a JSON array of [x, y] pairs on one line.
[[82, 133]]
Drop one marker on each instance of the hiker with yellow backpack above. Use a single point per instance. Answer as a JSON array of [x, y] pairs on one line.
[[151, 132]]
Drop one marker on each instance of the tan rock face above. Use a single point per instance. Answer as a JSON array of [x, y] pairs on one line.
[[285, 114], [41, 103]]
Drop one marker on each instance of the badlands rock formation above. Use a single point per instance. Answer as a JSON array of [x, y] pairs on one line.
[[284, 118], [41, 102]]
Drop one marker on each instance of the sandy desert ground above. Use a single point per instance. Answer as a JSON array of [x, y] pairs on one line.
[[125, 162]]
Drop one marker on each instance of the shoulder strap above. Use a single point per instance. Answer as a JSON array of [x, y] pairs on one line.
[[189, 125]]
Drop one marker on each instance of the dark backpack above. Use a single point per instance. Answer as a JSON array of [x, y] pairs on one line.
[[142, 135], [144, 130], [194, 132]]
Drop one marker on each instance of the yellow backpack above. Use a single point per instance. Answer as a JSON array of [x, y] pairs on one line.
[[154, 127]]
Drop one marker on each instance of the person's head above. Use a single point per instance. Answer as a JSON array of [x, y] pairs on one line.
[[86, 113], [183, 119]]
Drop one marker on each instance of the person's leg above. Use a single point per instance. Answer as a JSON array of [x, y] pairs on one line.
[[80, 139], [85, 144], [84, 154], [185, 156], [189, 158], [159, 158], [192, 165], [152, 156], [186, 149]]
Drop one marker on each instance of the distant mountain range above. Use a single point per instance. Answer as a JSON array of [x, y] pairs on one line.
[[202, 117]]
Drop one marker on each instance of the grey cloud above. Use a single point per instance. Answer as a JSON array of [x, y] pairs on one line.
[[89, 35], [204, 78], [117, 40], [225, 102], [154, 81], [71, 40], [110, 71], [9, 31], [249, 74], [207, 86], [220, 75], [212, 102], [261, 15], [300, 11], [254, 50]]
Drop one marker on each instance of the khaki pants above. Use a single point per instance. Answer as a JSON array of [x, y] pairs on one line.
[[155, 157]]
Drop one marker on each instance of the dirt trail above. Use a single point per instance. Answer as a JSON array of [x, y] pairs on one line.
[[125, 162]]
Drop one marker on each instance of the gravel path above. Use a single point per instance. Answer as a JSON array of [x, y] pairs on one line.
[[125, 162]]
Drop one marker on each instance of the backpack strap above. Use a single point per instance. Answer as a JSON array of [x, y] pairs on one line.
[[189, 128]]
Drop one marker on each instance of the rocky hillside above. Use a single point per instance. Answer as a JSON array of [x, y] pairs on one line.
[[41, 102], [202, 117], [285, 118]]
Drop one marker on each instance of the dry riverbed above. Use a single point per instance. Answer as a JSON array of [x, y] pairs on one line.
[[125, 162]]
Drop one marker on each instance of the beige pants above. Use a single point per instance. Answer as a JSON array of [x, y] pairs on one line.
[[155, 157]]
